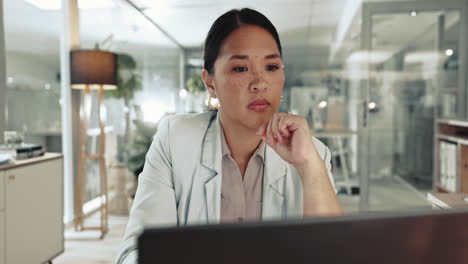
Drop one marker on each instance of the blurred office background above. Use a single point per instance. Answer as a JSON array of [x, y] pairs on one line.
[[373, 79]]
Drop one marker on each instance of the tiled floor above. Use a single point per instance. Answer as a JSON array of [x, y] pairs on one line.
[[387, 194], [86, 247]]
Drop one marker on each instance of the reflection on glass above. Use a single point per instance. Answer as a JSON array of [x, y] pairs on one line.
[[409, 81], [32, 68], [148, 70]]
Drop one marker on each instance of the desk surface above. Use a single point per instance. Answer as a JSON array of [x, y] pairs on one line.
[[447, 200], [19, 163]]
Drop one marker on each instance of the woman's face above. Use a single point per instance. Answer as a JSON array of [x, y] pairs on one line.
[[248, 77]]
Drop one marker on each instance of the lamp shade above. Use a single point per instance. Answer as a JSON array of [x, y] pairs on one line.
[[93, 69]]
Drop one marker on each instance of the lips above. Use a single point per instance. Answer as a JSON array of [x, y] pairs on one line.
[[259, 105]]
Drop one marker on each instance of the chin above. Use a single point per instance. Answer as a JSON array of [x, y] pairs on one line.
[[254, 122]]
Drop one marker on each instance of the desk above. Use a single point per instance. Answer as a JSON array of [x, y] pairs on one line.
[[447, 200], [337, 137]]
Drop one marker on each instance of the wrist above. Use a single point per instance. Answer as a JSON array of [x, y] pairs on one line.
[[311, 163]]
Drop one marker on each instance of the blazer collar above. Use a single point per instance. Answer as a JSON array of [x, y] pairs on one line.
[[212, 153], [275, 169], [211, 156]]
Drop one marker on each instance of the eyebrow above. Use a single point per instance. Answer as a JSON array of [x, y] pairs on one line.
[[243, 57]]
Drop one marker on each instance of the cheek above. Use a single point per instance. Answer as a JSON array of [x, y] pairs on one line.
[[277, 85], [232, 87]]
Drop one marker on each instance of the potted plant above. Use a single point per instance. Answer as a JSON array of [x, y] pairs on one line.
[[140, 145], [196, 87], [195, 84], [128, 83]]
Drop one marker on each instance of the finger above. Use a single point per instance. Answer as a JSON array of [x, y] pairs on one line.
[[269, 134], [267, 141], [291, 123], [283, 127], [274, 127]]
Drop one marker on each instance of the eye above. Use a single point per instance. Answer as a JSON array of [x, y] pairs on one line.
[[272, 68], [239, 69]]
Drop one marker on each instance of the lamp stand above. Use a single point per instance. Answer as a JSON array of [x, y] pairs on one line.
[[83, 157]]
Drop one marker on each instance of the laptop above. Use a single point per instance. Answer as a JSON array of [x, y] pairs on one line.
[[429, 237]]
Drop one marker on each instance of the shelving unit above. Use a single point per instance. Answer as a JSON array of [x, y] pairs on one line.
[[454, 132]]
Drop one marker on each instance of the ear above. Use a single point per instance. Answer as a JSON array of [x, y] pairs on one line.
[[209, 83]]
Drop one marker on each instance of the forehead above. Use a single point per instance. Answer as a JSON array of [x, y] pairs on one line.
[[249, 40]]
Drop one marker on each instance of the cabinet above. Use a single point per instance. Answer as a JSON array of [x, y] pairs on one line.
[[2, 218], [2, 237], [2, 191], [33, 211], [451, 156]]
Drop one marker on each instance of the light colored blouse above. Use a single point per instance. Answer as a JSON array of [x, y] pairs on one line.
[[241, 197]]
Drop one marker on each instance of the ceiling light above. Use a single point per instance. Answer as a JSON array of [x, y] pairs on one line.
[[322, 104], [372, 105], [83, 4], [369, 57], [449, 52], [45, 4], [413, 13], [94, 4]]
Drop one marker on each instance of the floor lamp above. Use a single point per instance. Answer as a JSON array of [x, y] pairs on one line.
[[92, 70]]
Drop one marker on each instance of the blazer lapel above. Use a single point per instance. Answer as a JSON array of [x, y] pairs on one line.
[[273, 186], [273, 181], [211, 158]]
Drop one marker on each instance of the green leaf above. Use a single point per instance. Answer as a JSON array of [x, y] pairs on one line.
[[195, 84], [126, 61], [136, 161], [140, 145]]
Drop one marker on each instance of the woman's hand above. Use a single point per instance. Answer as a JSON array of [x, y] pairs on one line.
[[290, 137]]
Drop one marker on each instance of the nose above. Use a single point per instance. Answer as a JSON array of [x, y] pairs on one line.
[[258, 82]]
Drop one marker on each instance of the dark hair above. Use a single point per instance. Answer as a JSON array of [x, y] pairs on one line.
[[225, 25]]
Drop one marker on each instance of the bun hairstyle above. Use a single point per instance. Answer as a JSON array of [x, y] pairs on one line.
[[225, 25]]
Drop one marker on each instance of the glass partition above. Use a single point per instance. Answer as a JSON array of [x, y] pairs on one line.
[[32, 39], [412, 82], [149, 80]]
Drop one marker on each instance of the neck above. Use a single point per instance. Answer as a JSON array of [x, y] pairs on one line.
[[241, 140]]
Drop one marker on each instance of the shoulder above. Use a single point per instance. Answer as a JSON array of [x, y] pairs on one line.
[[186, 122], [321, 148], [177, 132]]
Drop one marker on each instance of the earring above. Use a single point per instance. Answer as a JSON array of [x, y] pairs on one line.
[[212, 106]]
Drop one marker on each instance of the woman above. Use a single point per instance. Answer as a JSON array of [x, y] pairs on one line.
[[243, 162]]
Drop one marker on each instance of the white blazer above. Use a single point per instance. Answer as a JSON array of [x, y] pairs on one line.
[[181, 180]]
